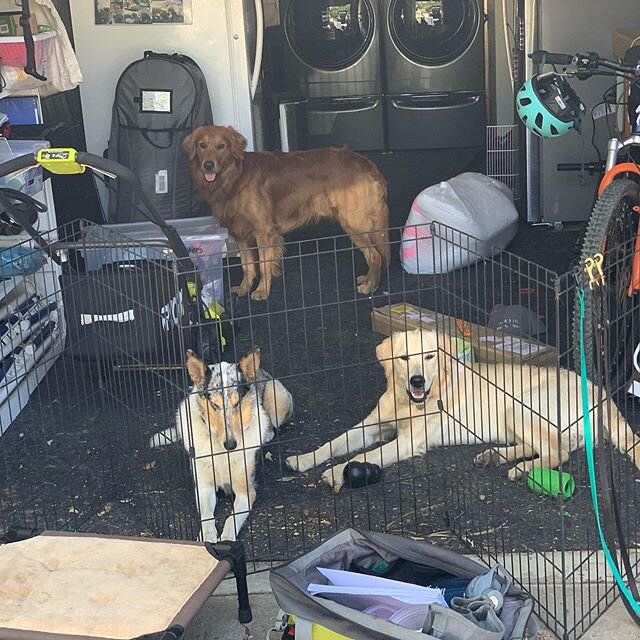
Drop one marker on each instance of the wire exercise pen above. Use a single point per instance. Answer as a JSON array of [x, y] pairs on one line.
[[77, 455], [502, 156]]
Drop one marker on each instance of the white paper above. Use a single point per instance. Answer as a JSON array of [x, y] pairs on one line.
[[515, 345], [415, 314], [156, 101], [162, 181], [349, 583]]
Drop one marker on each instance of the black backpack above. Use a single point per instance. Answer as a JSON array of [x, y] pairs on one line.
[[159, 100]]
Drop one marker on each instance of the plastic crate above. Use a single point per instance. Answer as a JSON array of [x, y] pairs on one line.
[[30, 181], [14, 53], [203, 238]]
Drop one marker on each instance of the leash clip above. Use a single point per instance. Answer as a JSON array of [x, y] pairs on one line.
[[593, 269], [576, 273]]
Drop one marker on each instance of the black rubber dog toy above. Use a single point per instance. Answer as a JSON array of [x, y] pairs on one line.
[[361, 474]]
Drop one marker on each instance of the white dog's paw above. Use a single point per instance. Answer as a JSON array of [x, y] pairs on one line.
[[334, 477], [291, 463], [229, 531], [209, 532], [488, 458], [517, 472], [156, 442], [300, 463]]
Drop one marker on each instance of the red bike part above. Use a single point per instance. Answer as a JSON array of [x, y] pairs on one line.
[[607, 179], [610, 176], [634, 285]]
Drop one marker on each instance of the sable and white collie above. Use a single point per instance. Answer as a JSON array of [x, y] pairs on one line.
[[230, 413]]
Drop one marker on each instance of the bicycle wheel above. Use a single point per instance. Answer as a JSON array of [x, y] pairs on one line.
[[611, 230]]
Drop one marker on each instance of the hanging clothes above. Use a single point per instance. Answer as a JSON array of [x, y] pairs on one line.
[[62, 71]]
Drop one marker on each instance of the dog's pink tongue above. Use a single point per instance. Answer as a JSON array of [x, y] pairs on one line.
[[209, 176]]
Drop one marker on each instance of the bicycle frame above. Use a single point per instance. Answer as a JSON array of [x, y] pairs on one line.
[[612, 167], [612, 170]]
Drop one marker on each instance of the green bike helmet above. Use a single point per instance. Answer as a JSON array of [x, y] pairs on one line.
[[548, 106]]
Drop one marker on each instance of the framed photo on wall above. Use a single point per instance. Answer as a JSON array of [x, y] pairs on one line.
[[124, 12]]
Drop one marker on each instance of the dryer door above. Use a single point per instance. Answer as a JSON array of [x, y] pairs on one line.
[[329, 35], [433, 32]]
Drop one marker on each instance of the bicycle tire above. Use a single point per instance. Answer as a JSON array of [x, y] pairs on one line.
[[596, 236]]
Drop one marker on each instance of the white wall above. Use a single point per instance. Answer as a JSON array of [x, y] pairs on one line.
[[104, 52]]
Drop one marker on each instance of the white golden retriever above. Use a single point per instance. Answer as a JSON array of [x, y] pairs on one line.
[[434, 400]]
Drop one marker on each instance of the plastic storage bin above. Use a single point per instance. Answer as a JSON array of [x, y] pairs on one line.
[[14, 53], [30, 181], [203, 238]]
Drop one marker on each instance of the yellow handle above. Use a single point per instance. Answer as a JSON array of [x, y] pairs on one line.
[[61, 161]]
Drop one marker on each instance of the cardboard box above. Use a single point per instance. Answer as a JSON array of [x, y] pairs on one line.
[[33, 23], [623, 40], [405, 317], [500, 348], [488, 345]]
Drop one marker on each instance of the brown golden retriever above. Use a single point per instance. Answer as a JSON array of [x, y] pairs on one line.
[[261, 196]]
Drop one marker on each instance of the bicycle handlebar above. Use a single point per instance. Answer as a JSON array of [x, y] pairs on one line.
[[584, 62], [544, 57]]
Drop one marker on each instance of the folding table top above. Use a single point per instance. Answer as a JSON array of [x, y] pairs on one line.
[[59, 585]]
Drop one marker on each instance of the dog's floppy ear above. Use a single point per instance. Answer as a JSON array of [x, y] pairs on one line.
[[383, 350], [384, 353], [196, 367], [447, 352], [447, 346], [189, 144], [237, 143], [249, 364]]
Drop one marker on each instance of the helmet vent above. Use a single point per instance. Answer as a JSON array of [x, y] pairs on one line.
[[554, 131], [539, 121], [525, 102]]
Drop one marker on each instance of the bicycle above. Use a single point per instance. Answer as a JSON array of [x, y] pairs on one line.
[[550, 108]]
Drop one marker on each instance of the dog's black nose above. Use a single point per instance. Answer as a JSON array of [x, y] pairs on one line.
[[417, 382], [208, 165], [230, 445]]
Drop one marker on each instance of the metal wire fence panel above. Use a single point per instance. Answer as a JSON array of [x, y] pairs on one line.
[[502, 155], [112, 433]]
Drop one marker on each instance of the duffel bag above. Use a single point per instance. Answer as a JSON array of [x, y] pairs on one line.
[[406, 560]]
